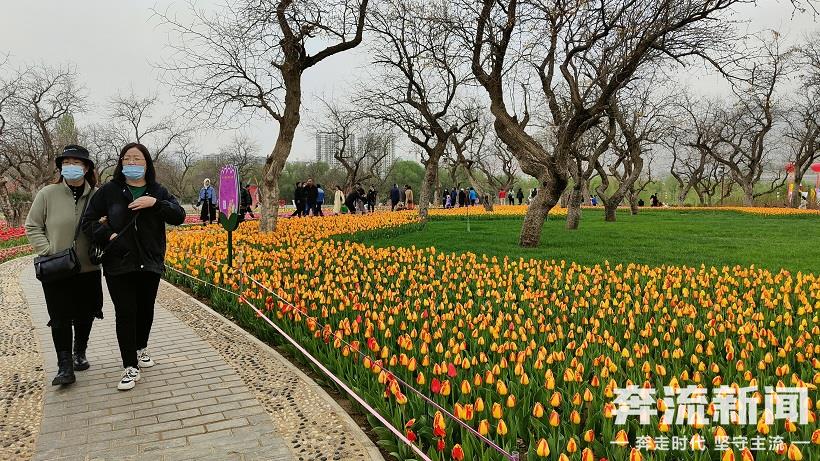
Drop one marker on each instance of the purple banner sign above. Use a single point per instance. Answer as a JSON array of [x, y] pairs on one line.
[[228, 190]]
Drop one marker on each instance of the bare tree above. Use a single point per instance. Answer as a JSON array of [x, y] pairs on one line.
[[584, 165], [135, 119], [104, 141], [424, 73], [31, 140], [803, 120], [174, 170], [641, 115], [742, 141], [582, 52], [242, 152], [360, 162], [250, 57]]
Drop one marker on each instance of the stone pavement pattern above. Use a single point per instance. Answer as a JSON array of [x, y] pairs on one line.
[[21, 370], [215, 393]]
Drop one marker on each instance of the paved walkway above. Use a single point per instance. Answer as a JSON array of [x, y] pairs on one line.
[[215, 393]]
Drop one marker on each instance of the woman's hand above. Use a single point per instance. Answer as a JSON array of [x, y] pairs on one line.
[[113, 236], [142, 203]]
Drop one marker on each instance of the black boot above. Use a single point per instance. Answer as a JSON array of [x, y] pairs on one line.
[[80, 362], [65, 369], [81, 332]]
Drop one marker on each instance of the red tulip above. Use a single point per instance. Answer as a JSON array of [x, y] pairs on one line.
[[457, 452]]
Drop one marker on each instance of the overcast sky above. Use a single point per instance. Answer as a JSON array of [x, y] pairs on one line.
[[114, 44]]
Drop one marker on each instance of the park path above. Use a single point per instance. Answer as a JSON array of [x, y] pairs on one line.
[[215, 393]]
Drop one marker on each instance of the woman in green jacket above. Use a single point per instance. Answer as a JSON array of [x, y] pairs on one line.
[[51, 224]]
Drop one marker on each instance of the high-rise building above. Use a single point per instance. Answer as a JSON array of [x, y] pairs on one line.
[[370, 149], [328, 145]]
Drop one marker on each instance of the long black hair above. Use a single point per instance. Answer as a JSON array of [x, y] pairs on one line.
[[150, 173]]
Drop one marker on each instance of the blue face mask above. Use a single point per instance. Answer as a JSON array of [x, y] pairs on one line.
[[72, 172], [133, 172]]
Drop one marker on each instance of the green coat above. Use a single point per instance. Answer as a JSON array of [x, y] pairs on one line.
[[53, 219]]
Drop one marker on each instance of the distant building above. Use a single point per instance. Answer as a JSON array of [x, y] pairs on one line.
[[380, 152], [329, 144]]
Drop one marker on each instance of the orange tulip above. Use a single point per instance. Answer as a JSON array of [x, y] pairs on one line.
[[635, 455], [510, 401], [621, 439], [501, 428], [497, 412], [572, 445], [746, 455], [542, 449], [728, 455], [538, 410], [794, 453], [484, 427], [554, 419], [589, 436], [587, 455]]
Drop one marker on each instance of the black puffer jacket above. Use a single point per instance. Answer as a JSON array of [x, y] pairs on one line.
[[141, 247]]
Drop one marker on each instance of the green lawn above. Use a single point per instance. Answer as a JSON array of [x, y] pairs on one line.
[[655, 238]]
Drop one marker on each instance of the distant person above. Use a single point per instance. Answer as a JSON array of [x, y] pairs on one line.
[[320, 200], [207, 200], [395, 197], [594, 200], [372, 197], [473, 196], [453, 197], [351, 199], [361, 198], [502, 196], [311, 193], [298, 200], [408, 196], [520, 196], [641, 202], [510, 196], [448, 203], [338, 200], [654, 200], [462, 198], [245, 202], [533, 193]]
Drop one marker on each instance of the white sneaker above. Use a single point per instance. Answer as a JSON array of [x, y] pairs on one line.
[[130, 376], [144, 359]]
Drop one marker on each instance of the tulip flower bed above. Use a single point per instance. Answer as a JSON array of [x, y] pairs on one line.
[[11, 236], [528, 352]]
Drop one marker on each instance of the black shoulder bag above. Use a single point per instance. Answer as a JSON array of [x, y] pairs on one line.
[[96, 252], [62, 264]]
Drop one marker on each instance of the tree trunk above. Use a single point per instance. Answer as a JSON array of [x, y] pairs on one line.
[[574, 208], [609, 211], [748, 194], [275, 162], [633, 206], [430, 178], [538, 210], [796, 197], [488, 205]]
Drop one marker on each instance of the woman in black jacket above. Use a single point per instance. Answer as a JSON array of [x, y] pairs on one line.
[[128, 216]]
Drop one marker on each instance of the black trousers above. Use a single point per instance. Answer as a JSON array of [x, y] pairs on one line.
[[72, 304], [133, 295]]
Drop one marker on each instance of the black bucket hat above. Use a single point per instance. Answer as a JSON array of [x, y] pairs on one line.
[[74, 151]]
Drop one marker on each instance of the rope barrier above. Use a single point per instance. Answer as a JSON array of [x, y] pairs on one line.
[[514, 456], [316, 362]]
